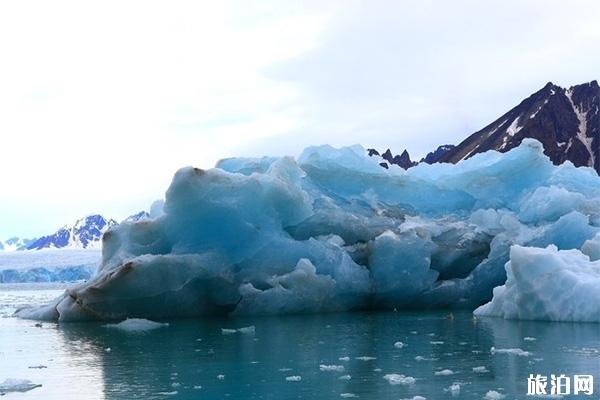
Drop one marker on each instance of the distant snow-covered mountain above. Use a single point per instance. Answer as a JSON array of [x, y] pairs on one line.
[[85, 233], [15, 243]]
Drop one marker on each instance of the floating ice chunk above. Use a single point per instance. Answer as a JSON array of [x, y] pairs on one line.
[[17, 385], [399, 379], [220, 377], [399, 345], [197, 387], [345, 358], [336, 368], [137, 325], [285, 369], [421, 358], [348, 395], [529, 339], [345, 377], [493, 395], [535, 287], [437, 342], [173, 393], [515, 351], [453, 389], [247, 330], [480, 370], [444, 372], [415, 398], [293, 378], [366, 358]]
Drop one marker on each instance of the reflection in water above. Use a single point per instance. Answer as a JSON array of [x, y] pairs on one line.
[[184, 360]]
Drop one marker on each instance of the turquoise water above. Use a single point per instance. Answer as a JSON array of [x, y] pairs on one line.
[[192, 359]]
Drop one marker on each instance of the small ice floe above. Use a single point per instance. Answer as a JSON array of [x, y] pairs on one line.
[[247, 330], [285, 369], [345, 377], [399, 379], [376, 369], [421, 358], [17, 385], [220, 377], [137, 325], [414, 333], [197, 387], [480, 370], [173, 393], [529, 339], [493, 395], [453, 389], [175, 384], [414, 398], [335, 368], [293, 378], [348, 395], [444, 372], [399, 345], [366, 358], [346, 358], [108, 349], [515, 351], [37, 367], [436, 342]]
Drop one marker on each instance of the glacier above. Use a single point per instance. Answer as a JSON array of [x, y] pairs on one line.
[[333, 231], [48, 265]]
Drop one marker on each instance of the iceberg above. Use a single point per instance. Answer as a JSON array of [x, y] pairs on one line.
[[549, 284], [333, 231]]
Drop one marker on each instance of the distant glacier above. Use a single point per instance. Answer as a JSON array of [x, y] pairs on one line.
[[49, 265]]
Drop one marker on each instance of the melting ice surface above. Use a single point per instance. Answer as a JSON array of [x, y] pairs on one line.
[[334, 231], [192, 359]]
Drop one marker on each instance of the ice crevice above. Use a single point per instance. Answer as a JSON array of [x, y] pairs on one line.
[[333, 231]]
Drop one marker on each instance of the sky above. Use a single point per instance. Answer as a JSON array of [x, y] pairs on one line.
[[101, 102]]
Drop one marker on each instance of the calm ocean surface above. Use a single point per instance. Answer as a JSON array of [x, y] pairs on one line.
[[335, 355]]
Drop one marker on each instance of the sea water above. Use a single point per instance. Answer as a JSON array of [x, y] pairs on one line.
[[368, 355]]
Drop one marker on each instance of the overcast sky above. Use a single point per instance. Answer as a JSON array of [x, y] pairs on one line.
[[101, 102]]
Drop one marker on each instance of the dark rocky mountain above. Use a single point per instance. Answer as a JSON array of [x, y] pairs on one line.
[[437, 154], [565, 121], [387, 158]]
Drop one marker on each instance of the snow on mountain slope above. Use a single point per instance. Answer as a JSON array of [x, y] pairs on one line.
[[332, 231]]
